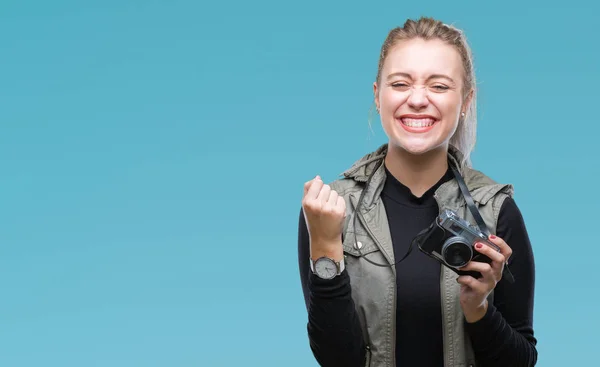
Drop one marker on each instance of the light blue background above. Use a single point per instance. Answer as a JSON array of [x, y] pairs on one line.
[[152, 156]]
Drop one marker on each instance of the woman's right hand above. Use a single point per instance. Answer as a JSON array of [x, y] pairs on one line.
[[324, 212]]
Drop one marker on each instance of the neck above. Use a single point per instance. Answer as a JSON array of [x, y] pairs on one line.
[[417, 172]]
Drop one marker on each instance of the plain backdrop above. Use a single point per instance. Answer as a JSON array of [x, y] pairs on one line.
[[152, 157]]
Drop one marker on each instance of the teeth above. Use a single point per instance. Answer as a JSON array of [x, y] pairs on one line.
[[417, 122]]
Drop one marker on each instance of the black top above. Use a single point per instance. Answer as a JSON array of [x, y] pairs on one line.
[[504, 337]]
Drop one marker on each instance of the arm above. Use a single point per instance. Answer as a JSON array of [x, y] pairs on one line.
[[504, 336], [334, 331]]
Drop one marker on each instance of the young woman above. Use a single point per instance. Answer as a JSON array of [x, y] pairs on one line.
[[372, 301]]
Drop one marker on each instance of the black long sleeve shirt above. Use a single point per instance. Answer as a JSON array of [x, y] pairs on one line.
[[503, 337]]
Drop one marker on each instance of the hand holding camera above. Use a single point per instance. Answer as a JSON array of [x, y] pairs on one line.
[[479, 260], [324, 211], [453, 241], [474, 291]]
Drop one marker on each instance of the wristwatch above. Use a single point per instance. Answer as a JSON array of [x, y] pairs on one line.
[[326, 268]]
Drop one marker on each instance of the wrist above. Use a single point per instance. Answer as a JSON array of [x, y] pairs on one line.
[[333, 250], [477, 313]]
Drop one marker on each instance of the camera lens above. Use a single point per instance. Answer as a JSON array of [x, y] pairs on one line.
[[456, 252]]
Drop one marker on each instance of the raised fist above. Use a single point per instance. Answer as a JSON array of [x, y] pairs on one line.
[[324, 212]]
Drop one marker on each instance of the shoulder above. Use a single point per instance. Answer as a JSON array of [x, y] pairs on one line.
[[354, 178], [510, 215], [483, 188], [345, 186]]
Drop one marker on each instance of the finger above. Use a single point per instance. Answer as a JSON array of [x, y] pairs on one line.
[[504, 247], [472, 283], [480, 267], [314, 189], [490, 252], [307, 185], [332, 201], [341, 204], [488, 273], [323, 196]]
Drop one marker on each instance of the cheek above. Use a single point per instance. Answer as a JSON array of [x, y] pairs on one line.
[[449, 109], [391, 100]]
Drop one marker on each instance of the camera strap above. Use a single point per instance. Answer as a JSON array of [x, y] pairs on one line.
[[507, 274], [470, 203]]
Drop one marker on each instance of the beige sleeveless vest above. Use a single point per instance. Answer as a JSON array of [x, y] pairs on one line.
[[374, 287]]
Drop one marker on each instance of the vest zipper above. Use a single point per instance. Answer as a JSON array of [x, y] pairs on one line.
[[443, 297]]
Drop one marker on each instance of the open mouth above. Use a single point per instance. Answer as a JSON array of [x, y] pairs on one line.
[[421, 124]]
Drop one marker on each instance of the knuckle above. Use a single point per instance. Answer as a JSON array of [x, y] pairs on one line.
[[327, 209], [312, 206]]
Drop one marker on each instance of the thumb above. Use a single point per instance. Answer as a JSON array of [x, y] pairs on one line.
[[309, 183]]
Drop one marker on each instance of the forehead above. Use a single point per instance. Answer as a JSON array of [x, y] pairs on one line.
[[420, 58]]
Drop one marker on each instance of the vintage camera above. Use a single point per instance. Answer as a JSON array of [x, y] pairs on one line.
[[450, 240]]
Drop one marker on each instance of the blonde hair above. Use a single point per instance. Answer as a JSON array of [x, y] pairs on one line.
[[428, 28]]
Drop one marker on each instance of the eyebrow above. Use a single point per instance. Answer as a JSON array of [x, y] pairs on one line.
[[433, 76]]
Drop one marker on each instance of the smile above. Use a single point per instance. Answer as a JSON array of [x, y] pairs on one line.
[[417, 122], [417, 125]]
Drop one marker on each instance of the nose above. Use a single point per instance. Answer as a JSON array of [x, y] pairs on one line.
[[418, 98]]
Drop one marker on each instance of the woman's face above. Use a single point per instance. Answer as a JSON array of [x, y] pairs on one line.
[[420, 95]]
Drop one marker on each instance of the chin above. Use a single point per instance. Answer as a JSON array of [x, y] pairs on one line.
[[415, 150], [415, 147], [417, 144]]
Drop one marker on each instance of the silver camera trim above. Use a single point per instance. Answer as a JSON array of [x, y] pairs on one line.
[[459, 227], [452, 240]]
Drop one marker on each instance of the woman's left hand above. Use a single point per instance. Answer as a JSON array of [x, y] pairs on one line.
[[474, 292]]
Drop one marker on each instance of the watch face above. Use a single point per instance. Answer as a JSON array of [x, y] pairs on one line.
[[325, 268]]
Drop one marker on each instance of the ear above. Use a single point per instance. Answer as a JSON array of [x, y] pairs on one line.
[[376, 95], [468, 101]]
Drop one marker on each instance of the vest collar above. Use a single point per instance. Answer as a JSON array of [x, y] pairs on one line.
[[362, 168], [482, 188]]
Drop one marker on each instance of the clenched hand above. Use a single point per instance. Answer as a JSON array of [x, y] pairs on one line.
[[324, 212]]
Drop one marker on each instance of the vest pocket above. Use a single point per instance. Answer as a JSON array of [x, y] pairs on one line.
[[358, 253], [358, 246]]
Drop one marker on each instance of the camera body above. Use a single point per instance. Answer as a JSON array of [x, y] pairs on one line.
[[451, 239]]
